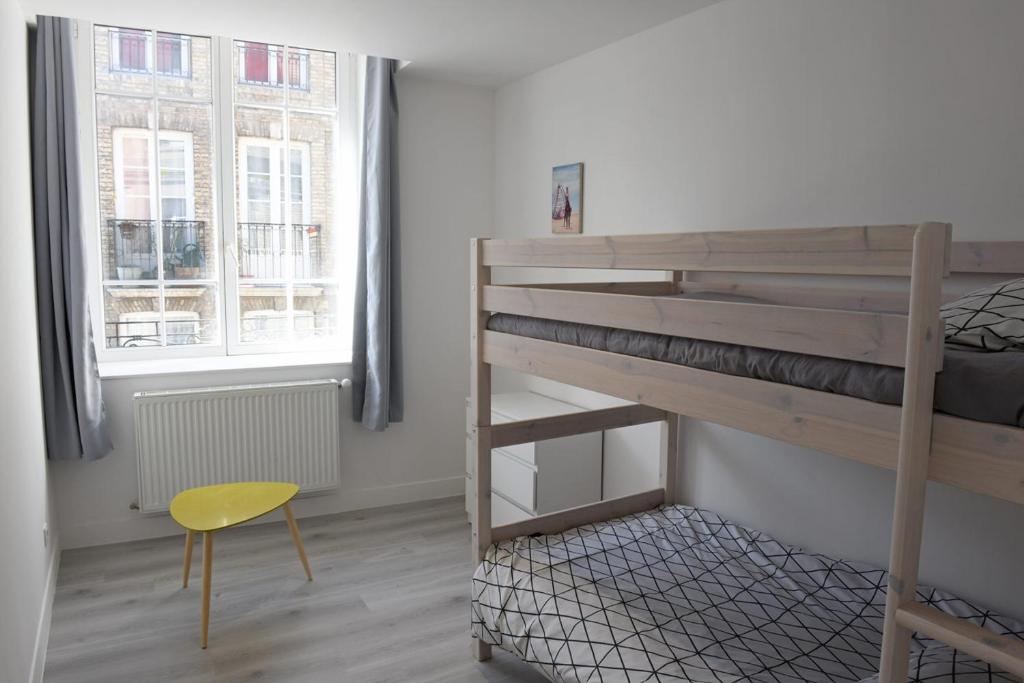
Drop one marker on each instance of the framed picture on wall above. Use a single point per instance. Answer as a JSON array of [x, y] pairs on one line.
[[567, 199]]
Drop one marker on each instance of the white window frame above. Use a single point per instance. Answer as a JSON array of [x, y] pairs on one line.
[[229, 347]]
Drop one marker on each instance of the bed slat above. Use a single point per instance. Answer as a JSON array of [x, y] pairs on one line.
[[868, 337], [988, 257], [528, 431], [643, 287], [878, 301], [857, 250], [1005, 652], [557, 522]]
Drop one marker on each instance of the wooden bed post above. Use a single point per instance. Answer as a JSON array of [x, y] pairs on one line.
[[480, 399], [924, 359], [669, 457], [670, 429]]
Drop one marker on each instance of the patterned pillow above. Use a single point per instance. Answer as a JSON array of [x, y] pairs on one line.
[[991, 319]]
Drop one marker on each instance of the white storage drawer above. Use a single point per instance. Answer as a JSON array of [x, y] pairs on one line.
[[505, 512], [514, 479], [535, 478]]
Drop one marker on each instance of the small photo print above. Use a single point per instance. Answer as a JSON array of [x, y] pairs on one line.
[[567, 199]]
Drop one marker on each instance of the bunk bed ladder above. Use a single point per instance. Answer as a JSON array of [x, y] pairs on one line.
[[903, 614]]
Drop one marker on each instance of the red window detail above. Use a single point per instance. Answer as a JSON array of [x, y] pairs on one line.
[[168, 59], [132, 49], [257, 63]]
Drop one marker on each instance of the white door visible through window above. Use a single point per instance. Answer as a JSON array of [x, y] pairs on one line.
[[269, 186], [267, 182], [135, 173]]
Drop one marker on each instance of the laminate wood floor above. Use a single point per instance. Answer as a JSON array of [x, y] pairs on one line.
[[389, 602]]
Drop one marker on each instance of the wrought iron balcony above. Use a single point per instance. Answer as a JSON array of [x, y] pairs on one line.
[[134, 253], [140, 333], [262, 246]]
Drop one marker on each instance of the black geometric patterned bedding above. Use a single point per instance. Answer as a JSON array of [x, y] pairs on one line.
[[679, 594]]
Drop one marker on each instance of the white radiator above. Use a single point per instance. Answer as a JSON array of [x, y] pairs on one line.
[[259, 432]]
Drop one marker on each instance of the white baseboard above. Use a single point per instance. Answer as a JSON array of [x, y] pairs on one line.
[[45, 616], [137, 526]]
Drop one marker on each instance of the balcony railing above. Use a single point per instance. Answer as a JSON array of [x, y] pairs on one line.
[[134, 256], [139, 333], [261, 251]]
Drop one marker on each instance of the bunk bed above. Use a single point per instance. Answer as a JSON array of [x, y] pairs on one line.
[[763, 358]]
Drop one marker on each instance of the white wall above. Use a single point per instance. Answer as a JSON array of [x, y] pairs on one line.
[[760, 113], [446, 158], [28, 567]]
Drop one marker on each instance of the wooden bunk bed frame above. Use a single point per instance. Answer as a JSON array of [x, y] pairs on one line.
[[881, 326]]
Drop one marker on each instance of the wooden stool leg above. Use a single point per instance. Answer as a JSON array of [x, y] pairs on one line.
[[207, 575], [188, 558], [294, 529]]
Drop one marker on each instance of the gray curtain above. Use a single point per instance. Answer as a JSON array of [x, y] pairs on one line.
[[377, 341], [72, 403]]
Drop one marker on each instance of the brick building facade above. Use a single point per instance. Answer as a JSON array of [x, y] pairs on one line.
[[180, 102]]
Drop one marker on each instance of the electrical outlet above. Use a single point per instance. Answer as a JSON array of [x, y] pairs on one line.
[[46, 535]]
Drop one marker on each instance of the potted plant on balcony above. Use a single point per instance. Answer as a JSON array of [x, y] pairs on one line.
[[191, 262]]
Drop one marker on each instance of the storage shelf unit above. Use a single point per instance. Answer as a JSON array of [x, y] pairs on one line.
[[536, 478]]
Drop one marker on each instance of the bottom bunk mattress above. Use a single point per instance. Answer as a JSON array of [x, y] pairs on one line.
[[679, 594]]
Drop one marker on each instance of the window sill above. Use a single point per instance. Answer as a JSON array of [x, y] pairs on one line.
[[176, 366]]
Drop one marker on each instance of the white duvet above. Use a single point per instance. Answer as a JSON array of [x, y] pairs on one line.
[[679, 594]]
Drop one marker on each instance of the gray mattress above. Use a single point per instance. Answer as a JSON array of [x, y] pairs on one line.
[[987, 387], [680, 594]]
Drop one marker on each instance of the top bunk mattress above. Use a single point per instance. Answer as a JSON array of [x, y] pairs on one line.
[[680, 594], [986, 387]]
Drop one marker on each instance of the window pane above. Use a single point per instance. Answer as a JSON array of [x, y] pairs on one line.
[[258, 70], [262, 239], [122, 58], [184, 66], [155, 176], [313, 189], [263, 311], [312, 78], [315, 311], [126, 197], [187, 194], [191, 315], [131, 315], [174, 209]]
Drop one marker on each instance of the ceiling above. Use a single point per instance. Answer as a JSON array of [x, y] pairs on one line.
[[481, 42]]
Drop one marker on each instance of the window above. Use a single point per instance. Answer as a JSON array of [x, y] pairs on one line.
[[130, 52], [263, 64], [182, 169], [173, 55], [288, 285]]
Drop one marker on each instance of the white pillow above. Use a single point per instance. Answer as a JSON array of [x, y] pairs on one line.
[[991, 319]]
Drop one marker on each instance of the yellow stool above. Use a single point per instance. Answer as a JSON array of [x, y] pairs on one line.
[[211, 508]]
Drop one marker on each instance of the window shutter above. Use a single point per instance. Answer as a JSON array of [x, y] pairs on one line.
[[256, 63]]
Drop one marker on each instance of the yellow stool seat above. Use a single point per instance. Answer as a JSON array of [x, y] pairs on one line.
[[211, 508]]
